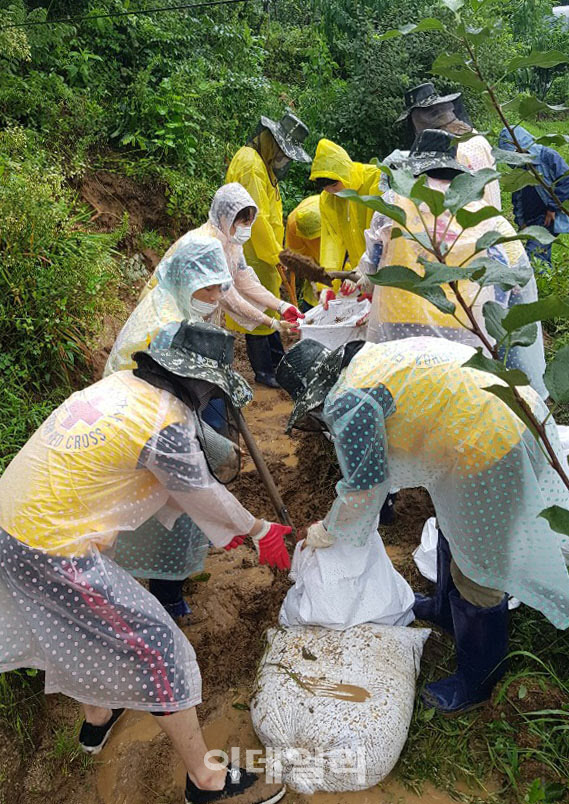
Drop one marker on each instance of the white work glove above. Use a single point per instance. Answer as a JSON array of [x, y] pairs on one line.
[[364, 286], [318, 536], [348, 287]]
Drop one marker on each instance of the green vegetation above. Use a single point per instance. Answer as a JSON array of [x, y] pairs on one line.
[[166, 99]]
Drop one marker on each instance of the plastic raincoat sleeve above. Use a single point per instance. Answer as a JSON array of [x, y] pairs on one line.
[[176, 459], [239, 301], [554, 165], [357, 423]]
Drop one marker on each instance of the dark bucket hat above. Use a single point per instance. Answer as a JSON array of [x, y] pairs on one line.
[[290, 133], [433, 149], [307, 373], [201, 351], [423, 96]]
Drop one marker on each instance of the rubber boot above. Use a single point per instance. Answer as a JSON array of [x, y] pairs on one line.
[[436, 609], [169, 593], [481, 636], [277, 348], [260, 356]]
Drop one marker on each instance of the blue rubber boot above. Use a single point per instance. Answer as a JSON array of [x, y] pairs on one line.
[[260, 350], [169, 593], [481, 636], [436, 609]]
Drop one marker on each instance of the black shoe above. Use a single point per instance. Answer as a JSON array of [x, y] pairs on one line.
[[241, 787], [387, 513], [267, 379], [93, 738]]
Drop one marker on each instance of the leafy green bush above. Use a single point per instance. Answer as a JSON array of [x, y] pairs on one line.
[[55, 276]]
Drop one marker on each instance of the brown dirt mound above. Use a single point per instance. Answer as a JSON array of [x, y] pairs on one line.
[[111, 195]]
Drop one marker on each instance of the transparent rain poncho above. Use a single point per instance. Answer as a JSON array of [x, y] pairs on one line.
[[343, 221], [197, 263], [107, 460], [399, 314], [405, 414], [246, 299]]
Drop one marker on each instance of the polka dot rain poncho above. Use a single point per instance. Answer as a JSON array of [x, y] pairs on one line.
[[406, 414], [107, 460], [399, 314]]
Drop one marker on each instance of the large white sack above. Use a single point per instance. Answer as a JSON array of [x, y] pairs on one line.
[[343, 585], [334, 707], [337, 325]]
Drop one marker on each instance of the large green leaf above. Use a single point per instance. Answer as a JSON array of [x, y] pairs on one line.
[[402, 182], [517, 179], [511, 157], [506, 394], [542, 310], [537, 58], [526, 107], [493, 314], [461, 75], [446, 60], [466, 188], [476, 36], [377, 203], [556, 376], [494, 238], [434, 199], [482, 363], [437, 273], [487, 271], [398, 276], [558, 518], [468, 219], [427, 24], [530, 107], [553, 139]]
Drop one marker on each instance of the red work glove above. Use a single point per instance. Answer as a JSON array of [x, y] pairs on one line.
[[237, 541], [348, 287], [271, 546], [326, 296], [291, 314]]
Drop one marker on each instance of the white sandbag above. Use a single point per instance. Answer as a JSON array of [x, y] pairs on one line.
[[334, 707], [336, 325], [425, 555], [343, 585]]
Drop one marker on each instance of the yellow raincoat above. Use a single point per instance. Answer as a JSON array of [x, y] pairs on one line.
[[262, 251], [303, 228], [343, 221]]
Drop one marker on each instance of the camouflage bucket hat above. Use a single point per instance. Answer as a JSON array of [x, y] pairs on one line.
[[308, 373], [202, 351], [290, 133]]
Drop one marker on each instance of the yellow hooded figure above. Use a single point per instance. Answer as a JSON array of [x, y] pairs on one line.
[[343, 221], [303, 228]]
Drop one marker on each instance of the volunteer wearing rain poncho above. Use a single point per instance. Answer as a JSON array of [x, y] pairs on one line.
[[407, 413], [427, 110], [192, 274], [534, 206], [258, 167], [303, 228], [231, 216], [343, 221], [190, 283], [106, 460], [399, 314]]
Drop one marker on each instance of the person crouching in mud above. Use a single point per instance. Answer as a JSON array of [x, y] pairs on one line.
[[111, 457], [409, 413]]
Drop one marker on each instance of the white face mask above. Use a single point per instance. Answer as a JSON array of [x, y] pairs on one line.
[[201, 307], [242, 234]]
